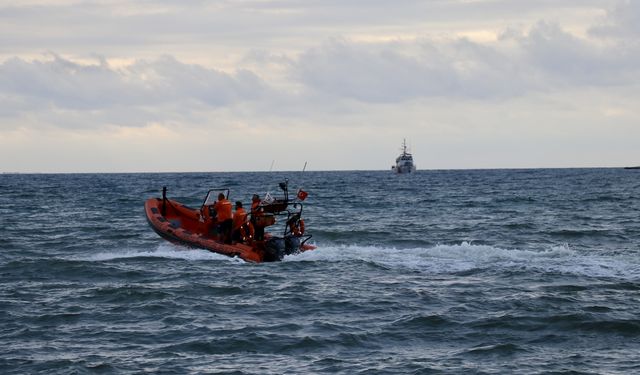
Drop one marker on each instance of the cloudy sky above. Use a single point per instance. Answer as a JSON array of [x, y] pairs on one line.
[[223, 85]]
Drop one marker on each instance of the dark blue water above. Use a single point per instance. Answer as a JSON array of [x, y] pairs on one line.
[[492, 271]]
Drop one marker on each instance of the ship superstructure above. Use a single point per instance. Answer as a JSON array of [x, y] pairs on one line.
[[404, 162]]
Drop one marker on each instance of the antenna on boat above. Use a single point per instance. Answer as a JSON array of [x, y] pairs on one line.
[[272, 162], [301, 194]]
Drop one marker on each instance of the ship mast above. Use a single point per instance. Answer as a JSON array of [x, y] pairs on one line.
[[404, 146]]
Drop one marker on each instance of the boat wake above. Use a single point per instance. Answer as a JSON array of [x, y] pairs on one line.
[[466, 257], [164, 250], [440, 259]]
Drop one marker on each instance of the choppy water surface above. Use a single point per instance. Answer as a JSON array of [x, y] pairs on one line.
[[508, 271]]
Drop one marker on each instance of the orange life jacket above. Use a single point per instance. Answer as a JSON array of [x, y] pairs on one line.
[[223, 208], [239, 218]]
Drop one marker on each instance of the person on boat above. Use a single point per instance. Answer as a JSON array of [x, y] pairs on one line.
[[255, 202], [296, 225], [225, 218], [256, 211], [239, 220]]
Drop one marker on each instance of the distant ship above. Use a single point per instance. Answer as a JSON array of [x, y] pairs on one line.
[[404, 162], [637, 167]]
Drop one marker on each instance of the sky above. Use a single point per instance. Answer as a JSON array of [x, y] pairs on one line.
[[254, 85]]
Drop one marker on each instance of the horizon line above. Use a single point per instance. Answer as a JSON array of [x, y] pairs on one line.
[[322, 170]]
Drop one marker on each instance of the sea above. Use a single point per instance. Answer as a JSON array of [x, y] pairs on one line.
[[532, 271]]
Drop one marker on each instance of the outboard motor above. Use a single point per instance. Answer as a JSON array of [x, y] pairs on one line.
[[291, 244], [274, 249]]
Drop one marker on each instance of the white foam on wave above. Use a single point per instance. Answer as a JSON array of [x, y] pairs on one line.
[[467, 257], [164, 250], [439, 259]]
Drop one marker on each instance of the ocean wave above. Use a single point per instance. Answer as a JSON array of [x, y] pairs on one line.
[[506, 349]]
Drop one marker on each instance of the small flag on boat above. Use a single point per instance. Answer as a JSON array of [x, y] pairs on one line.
[[302, 195], [268, 199]]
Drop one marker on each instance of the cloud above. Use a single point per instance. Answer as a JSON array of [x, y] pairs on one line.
[[564, 59], [320, 79], [544, 58], [75, 85], [621, 21], [171, 80], [63, 84], [387, 72]]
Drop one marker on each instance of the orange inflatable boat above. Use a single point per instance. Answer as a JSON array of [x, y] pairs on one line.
[[244, 236]]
